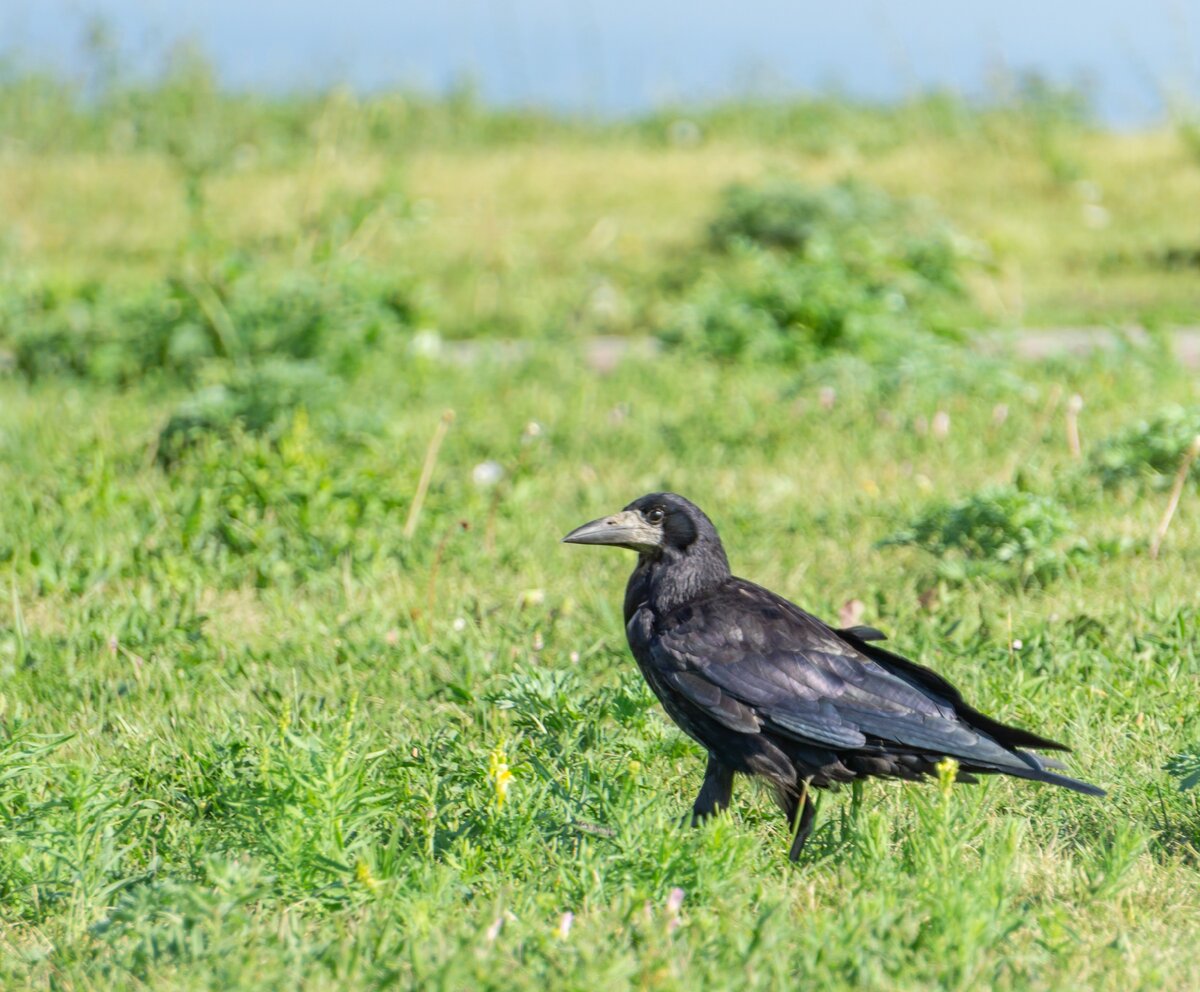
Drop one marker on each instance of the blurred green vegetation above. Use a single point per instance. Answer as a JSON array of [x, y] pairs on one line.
[[1003, 533], [1147, 452], [177, 175], [185, 113], [800, 271], [257, 700]]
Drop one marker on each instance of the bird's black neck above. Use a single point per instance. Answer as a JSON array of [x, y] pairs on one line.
[[672, 577]]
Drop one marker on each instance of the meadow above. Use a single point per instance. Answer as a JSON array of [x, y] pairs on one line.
[[298, 688]]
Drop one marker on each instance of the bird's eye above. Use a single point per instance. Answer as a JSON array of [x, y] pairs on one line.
[[654, 516]]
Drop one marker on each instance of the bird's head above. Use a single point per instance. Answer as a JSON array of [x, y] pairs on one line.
[[658, 525]]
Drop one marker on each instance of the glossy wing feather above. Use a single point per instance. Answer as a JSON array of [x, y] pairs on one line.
[[750, 659]]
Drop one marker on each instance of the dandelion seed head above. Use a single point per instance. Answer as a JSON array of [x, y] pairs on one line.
[[533, 597], [604, 303], [486, 474], [1096, 216], [426, 343]]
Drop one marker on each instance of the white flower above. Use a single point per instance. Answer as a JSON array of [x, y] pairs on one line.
[[1095, 216], [604, 303], [487, 474], [426, 343], [532, 597]]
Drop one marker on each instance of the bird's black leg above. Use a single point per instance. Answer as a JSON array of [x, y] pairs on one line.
[[800, 811], [716, 791]]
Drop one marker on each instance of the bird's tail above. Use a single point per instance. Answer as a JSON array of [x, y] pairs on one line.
[[1035, 769]]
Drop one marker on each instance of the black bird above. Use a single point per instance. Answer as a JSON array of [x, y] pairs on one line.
[[769, 690]]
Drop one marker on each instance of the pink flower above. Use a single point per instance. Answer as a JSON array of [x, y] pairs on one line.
[[674, 904]]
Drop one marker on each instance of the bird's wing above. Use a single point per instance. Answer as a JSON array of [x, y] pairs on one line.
[[746, 656], [930, 680]]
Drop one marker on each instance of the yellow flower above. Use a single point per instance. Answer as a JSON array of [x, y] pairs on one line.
[[499, 773], [947, 772], [363, 876]]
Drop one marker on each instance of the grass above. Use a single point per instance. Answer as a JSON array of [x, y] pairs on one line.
[[485, 226], [254, 736]]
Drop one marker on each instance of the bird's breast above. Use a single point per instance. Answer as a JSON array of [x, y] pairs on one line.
[[641, 631]]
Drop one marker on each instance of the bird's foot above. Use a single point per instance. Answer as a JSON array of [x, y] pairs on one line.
[[802, 819]]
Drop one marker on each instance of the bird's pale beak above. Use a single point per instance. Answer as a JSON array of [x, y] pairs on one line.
[[626, 529]]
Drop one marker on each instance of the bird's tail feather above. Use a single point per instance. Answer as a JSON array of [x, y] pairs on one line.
[[1035, 771]]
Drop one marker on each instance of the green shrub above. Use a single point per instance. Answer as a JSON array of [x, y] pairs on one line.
[[1186, 768], [175, 330], [761, 307], [795, 272], [1004, 534], [881, 239], [256, 399], [1149, 451], [279, 508]]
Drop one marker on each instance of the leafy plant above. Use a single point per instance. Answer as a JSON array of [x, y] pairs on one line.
[[257, 399], [271, 506], [858, 226], [763, 308], [1147, 452], [802, 271], [1003, 533], [333, 315], [1186, 768]]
